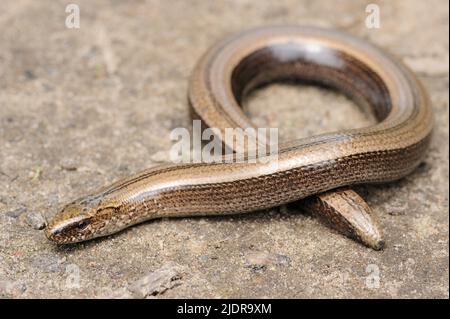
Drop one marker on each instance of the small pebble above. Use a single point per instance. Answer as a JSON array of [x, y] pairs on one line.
[[68, 164], [36, 220]]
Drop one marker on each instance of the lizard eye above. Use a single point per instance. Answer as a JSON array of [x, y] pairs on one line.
[[83, 224]]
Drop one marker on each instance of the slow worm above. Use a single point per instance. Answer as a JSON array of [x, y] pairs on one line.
[[319, 165]]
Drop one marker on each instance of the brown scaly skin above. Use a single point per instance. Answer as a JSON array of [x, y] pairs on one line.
[[344, 210], [306, 167]]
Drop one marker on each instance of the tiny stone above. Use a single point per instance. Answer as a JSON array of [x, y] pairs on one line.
[[68, 165], [36, 220]]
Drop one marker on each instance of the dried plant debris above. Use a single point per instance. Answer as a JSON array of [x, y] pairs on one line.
[[157, 282]]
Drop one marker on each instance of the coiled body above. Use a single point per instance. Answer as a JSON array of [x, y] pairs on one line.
[[384, 152]]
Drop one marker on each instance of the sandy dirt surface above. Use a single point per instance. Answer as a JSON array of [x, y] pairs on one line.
[[80, 108]]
